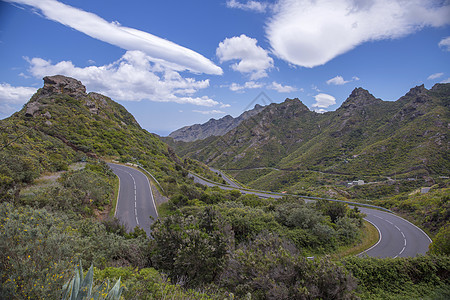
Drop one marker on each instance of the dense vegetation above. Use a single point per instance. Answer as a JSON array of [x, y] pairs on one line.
[[208, 243]]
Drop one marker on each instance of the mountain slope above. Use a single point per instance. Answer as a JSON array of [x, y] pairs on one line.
[[62, 124], [213, 127], [364, 137]]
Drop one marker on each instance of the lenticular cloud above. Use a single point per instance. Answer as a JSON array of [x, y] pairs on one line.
[[161, 50], [310, 33]]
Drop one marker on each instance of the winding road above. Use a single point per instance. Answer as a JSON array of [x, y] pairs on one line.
[[135, 202], [398, 237]]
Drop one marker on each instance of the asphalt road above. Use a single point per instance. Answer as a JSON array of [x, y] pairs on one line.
[[135, 202], [226, 178], [398, 237]]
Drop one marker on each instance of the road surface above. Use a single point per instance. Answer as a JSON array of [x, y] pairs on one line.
[[226, 178], [398, 237], [135, 202]]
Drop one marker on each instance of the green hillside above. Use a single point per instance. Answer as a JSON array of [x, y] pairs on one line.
[[366, 138], [62, 124]]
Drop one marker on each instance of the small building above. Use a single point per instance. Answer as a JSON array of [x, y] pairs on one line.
[[356, 182], [425, 190]]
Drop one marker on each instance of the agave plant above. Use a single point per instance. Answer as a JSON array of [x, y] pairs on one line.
[[81, 288]]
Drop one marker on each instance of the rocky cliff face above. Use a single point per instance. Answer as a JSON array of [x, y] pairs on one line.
[[213, 127]]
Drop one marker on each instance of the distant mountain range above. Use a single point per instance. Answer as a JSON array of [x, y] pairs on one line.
[[365, 136], [213, 127]]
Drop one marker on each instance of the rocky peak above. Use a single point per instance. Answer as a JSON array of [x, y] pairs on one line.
[[359, 98], [60, 84], [416, 91], [297, 103], [293, 106], [416, 95]]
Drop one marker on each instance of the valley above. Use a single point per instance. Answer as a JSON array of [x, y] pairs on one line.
[[248, 225]]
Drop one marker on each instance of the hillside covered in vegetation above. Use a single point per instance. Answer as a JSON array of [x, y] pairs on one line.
[[56, 193], [287, 146]]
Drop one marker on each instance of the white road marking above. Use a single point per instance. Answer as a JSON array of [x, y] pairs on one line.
[[404, 239], [135, 198]]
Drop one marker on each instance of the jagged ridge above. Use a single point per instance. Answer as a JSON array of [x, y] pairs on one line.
[[364, 136]]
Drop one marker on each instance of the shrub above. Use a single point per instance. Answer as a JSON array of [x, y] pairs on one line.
[[441, 242], [269, 268], [193, 247]]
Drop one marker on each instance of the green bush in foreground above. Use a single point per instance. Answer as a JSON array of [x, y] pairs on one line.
[[400, 278], [441, 242]]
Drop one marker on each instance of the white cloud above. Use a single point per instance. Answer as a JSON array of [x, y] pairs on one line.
[[338, 80], [446, 80], [281, 88], [209, 112], [21, 74], [12, 97], [320, 110], [323, 101], [235, 87], [314, 87], [253, 59], [310, 33], [435, 76], [131, 78], [249, 5], [445, 44], [160, 50]]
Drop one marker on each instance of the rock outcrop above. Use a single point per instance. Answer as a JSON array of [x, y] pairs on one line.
[[62, 85]]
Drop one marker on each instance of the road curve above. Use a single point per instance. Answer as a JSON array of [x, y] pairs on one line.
[[135, 202], [226, 178], [398, 237]]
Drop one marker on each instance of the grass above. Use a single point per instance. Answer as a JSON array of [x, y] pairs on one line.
[[163, 209], [369, 236], [48, 179], [115, 196]]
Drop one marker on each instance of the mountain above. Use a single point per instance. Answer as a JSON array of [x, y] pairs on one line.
[[62, 124], [366, 136], [213, 127]]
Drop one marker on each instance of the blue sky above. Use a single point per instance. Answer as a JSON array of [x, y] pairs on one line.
[[174, 63]]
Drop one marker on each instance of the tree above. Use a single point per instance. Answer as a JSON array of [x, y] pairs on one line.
[[334, 210]]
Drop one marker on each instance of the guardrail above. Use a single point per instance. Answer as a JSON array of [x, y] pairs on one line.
[[295, 195], [153, 177]]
